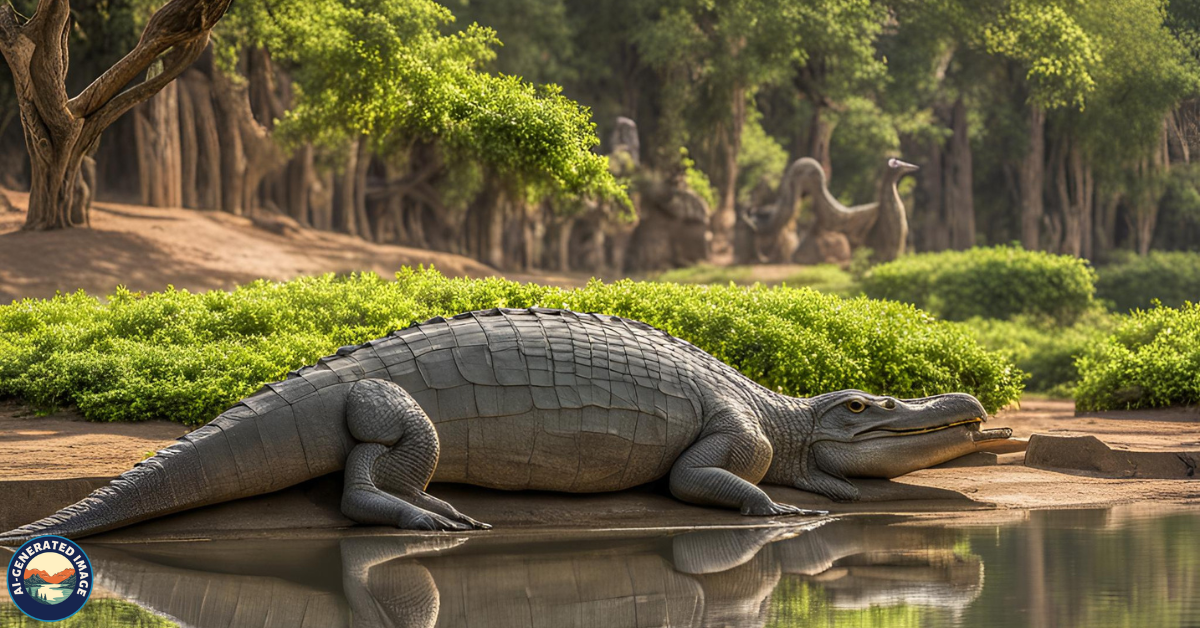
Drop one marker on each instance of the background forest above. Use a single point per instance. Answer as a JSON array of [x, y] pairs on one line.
[[1067, 126]]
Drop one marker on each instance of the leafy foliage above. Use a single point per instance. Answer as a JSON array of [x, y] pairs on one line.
[[1058, 54], [385, 70], [185, 357], [998, 283], [1152, 359], [1132, 282], [1047, 352]]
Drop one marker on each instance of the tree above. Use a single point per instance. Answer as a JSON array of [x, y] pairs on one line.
[[60, 132], [723, 53], [1057, 57], [380, 75]]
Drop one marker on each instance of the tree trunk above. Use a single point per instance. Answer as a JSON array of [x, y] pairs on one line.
[[233, 154], [723, 220], [820, 138], [208, 142], [60, 131], [299, 182], [934, 234], [362, 163], [158, 149], [189, 154], [321, 201], [1032, 179], [490, 226], [960, 196], [1106, 224], [345, 217]]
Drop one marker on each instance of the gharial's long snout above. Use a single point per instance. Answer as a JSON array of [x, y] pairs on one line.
[[884, 437], [908, 417]]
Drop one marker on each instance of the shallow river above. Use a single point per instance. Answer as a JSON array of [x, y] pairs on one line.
[[1093, 568]]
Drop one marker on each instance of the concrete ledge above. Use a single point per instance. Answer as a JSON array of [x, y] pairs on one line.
[[1090, 455]]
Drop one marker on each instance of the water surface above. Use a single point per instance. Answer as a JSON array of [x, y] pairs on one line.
[[1093, 568]]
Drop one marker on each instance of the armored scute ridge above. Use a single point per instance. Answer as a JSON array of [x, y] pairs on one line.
[[528, 399]]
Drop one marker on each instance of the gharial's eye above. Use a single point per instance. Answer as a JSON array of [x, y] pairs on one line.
[[856, 406], [889, 404]]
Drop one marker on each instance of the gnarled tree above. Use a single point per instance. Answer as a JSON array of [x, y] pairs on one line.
[[61, 132]]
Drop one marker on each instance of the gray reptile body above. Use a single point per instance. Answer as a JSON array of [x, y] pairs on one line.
[[514, 399]]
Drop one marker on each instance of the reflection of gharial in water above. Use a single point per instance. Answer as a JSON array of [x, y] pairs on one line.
[[708, 578]]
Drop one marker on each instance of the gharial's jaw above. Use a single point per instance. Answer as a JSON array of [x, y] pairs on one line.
[[865, 436]]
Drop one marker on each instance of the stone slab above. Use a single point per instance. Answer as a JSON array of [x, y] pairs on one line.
[[1090, 455]]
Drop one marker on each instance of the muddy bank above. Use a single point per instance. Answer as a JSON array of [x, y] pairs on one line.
[[48, 462]]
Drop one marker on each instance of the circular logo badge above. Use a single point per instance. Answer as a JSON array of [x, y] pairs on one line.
[[49, 578]]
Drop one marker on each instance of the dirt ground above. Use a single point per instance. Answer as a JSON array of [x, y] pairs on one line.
[[148, 248]]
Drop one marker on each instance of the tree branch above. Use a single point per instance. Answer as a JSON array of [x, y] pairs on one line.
[[173, 25], [8, 26], [174, 63]]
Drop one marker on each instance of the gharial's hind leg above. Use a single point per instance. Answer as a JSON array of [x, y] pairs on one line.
[[387, 472]]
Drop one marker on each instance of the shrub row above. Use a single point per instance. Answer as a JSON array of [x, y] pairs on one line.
[[186, 357], [1046, 351], [995, 283], [1151, 359], [1132, 282]]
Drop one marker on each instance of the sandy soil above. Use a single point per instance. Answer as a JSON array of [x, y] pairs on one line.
[[148, 248]]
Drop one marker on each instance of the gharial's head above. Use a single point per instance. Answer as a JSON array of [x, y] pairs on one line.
[[860, 435]]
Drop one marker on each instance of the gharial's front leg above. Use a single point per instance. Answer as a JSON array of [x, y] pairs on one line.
[[721, 469], [386, 474]]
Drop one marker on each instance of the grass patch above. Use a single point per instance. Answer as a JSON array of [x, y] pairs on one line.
[[186, 357]]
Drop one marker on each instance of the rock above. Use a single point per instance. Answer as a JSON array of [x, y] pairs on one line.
[[1088, 454], [279, 224]]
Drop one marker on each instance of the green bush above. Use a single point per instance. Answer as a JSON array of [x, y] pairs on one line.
[[1134, 282], [1151, 360], [997, 283], [1047, 352], [185, 357]]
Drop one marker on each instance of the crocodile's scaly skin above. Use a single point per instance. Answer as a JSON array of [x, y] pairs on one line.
[[509, 399]]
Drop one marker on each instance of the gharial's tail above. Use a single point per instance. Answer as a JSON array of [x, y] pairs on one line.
[[170, 481], [228, 458]]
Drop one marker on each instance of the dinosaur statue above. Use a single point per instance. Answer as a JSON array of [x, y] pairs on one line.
[[882, 225], [528, 399]]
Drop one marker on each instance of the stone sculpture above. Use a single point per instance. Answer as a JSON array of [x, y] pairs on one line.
[[529, 399], [882, 226]]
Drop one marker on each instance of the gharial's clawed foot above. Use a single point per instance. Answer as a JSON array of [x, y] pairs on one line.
[[772, 508], [431, 521], [435, 505]]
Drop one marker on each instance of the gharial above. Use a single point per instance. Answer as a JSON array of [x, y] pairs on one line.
[[529, 399]]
